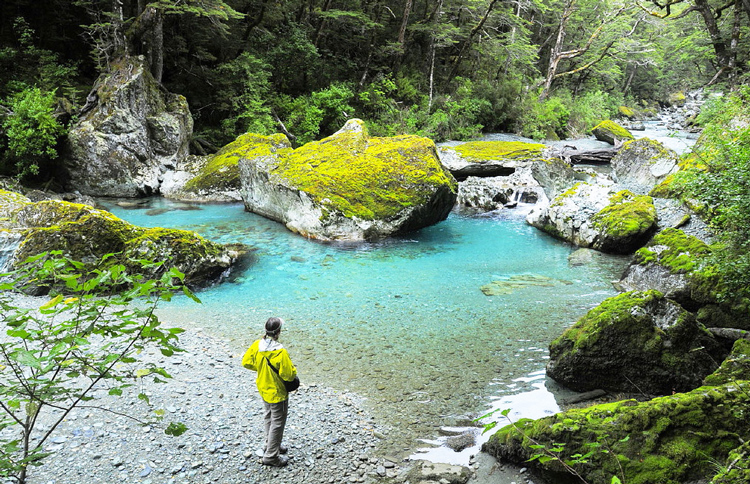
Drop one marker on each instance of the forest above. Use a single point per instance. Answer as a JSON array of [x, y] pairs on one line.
[[445, 69]]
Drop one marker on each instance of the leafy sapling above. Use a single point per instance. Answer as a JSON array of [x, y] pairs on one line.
[[84, 338]]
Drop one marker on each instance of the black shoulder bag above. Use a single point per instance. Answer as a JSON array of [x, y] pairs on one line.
[[289, 385]]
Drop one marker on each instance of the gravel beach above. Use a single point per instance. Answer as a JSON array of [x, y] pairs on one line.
[[332, 437]]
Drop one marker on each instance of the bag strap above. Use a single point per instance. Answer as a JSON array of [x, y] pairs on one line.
[[272, 367]]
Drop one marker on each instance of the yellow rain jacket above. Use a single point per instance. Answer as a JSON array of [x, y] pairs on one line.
[[270, 386]]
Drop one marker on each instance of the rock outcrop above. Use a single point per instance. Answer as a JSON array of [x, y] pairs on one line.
[[85, 234], [133, 135], [598, 216], [488, 158], [635, 342], [673, 438], [349, 186], [611, 132], [642, 164]]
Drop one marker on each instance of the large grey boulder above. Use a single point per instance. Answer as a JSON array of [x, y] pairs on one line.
[[349, 186], [642, 164], [598, 216], [488, 158], [133, 135]]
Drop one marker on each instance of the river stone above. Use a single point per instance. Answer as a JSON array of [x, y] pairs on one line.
[[641, 164], [439, 472], [598, 216], [135, 133], [86, 234], [635, 342], [611, 132], [350, 186]]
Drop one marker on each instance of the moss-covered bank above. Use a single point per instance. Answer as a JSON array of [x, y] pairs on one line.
[[668, 440]]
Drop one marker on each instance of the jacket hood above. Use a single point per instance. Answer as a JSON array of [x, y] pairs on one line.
[[268, 344]]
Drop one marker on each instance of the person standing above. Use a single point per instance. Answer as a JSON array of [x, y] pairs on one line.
[[260, 357]]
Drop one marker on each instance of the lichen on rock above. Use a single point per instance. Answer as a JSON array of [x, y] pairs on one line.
[[350, 186]]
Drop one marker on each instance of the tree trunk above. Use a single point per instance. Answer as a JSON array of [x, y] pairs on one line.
[[469, 39], [404, 22], [555, 54]]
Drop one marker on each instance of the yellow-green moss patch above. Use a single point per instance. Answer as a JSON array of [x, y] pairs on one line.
[[474, 151], [363, 177], [626, 215]]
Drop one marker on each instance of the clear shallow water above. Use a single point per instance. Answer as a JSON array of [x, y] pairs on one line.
[[403, 322]]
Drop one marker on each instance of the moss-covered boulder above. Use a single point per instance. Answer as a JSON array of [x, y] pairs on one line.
[[627, 112], [736, 468], [488, 158], [86, 234], [350, 186], [676, 99], [132, 134], [672, 439], [642, 164], [216, 178], [635, 342], [671, 263], [598, 216], [611, 132]]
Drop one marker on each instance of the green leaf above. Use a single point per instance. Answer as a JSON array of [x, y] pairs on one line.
[[144, 397], [175, 429], [115, 391], [27, 358]]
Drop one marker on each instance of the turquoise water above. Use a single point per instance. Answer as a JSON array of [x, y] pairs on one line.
[[403, 322]]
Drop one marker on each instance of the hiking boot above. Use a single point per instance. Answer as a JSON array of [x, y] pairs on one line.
[[280, 461], [283, 449]]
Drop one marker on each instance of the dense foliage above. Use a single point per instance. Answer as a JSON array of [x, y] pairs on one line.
[[720, 182], [444, 69]]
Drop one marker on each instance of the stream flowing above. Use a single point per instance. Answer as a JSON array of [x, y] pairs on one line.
[[433, 328]]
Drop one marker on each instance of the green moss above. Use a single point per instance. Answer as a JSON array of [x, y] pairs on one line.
[[736, 367], [621, 314], [475, 151], [611, 129], [627, 215], [668, 439], [362, 177], [222, 170], [626, 111], [677, 251], [737, 467]]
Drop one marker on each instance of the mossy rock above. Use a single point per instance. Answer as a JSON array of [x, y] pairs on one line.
[[668, 440], [626, 112], [221, 171], [611, 132], [626, 223], [351, 186], [477, 151], [86, 234], [634, 342], [677, 99], [736, 469], [674, 250], [736, 367]]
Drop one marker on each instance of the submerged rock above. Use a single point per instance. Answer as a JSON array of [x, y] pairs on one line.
[[86, 234], [611, 132], [668, 439], [598, 216], [134, 134], [635, 342], [350, 186]]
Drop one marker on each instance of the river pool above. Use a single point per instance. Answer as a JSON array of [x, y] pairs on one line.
[[432, 328]]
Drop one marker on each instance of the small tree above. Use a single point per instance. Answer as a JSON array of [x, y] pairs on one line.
[[85, 335]]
